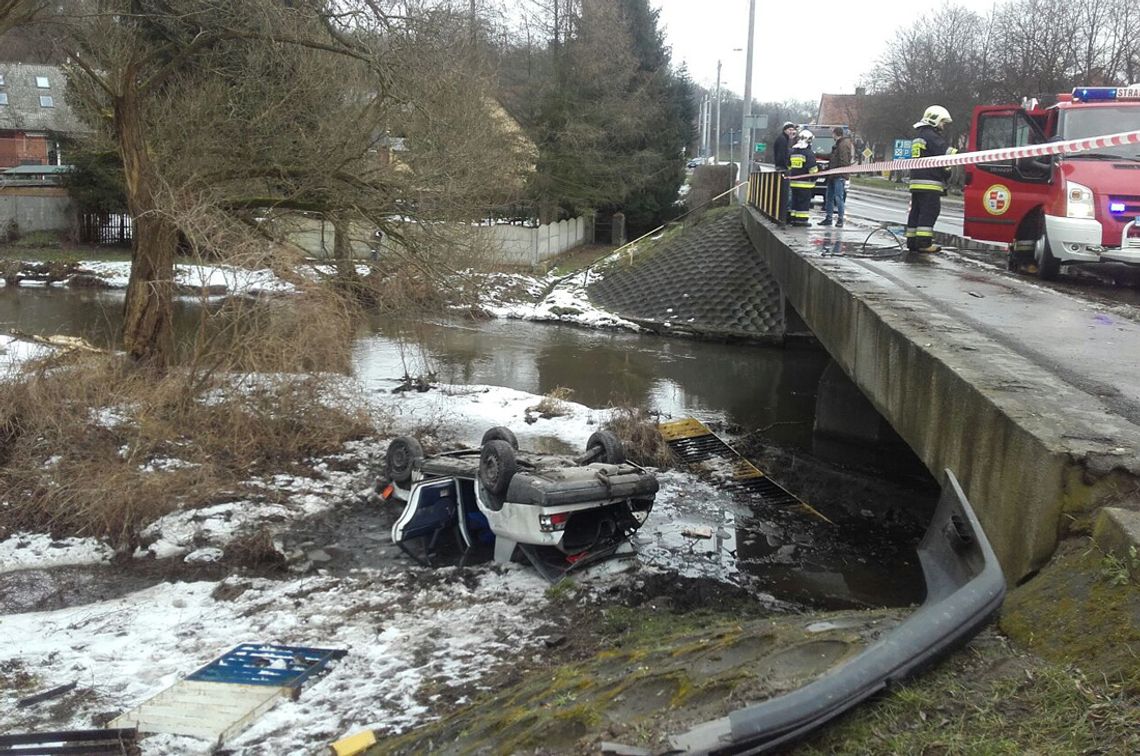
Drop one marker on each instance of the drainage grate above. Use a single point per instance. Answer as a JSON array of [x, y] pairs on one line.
[[695, 445]]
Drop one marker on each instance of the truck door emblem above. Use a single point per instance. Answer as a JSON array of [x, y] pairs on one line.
[[996, 199]]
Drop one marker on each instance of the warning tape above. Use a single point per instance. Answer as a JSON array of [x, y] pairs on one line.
[[992, 156]]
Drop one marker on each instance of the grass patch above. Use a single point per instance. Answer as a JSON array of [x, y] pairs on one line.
[[92, 446], [550, 406], [991, 701], [637, 429]]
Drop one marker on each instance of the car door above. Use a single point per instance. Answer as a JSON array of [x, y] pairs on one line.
[[429, 513], [1000, 195]]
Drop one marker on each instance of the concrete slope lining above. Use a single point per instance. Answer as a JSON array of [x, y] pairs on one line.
[[706, 281]]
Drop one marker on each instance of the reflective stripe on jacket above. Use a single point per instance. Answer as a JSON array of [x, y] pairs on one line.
[[929, 142], [801, 164]]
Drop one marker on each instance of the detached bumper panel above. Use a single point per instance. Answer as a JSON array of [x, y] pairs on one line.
[[965, 588]]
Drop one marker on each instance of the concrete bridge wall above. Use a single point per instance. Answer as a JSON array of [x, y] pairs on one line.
[[961, 402]]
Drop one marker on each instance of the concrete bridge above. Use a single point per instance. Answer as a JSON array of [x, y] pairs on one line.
[[1030, 396]]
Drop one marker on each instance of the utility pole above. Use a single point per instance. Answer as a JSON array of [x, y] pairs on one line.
[[746, 108], [716, 136], [704, 126]]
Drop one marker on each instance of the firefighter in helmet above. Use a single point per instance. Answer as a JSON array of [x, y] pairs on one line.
[[927, 185], [801, 169]]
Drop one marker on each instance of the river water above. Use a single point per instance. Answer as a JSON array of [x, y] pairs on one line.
[[749, 388]]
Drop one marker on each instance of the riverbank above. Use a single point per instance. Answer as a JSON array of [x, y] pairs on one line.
[[301, 557]]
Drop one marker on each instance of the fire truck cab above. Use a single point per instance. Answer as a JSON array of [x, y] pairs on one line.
[[1063, 209]]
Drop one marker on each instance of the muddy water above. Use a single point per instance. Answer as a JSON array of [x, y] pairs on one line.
[[768, 390], [747, 386]]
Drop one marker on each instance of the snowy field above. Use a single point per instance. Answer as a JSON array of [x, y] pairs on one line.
[[406, 628]]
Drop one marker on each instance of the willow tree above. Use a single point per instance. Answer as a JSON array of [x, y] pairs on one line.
[[222, 110]]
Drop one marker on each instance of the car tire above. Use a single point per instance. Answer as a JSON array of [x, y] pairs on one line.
[[500, 433], [612, 451], [404, 455], [1048, 266], [497, 465]]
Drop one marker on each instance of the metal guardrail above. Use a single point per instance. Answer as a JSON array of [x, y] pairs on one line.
[[766, 191]]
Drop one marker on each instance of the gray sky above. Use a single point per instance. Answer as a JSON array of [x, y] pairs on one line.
[[839, 41]]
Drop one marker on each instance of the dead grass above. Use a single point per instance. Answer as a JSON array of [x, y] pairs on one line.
[[550, 406], [92, 446], [637, 429]]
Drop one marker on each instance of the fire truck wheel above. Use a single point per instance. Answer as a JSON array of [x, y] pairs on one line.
[[1048, 266]]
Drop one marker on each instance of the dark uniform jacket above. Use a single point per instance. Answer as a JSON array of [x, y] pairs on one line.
[[781, 150], [801, 163], [929, 142]]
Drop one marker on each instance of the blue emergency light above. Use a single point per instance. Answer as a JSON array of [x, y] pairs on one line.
[[1093, 94], [1106, 94], [1117, 207]]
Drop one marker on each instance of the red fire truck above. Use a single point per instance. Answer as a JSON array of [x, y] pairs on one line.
[[1060, 210]]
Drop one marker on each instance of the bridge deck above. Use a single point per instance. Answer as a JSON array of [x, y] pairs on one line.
[[1031, 396]]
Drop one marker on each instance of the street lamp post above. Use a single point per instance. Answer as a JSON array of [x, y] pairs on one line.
[[746, 107], [716, 144]]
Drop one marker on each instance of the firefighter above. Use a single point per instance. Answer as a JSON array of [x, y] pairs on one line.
[[801, 170], [781, 151], [927, 185]]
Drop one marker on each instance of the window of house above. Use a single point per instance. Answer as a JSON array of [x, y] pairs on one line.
[[42, 82], [3, 98], [46, 101]]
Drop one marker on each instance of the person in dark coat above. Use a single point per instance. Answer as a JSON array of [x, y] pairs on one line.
[[802, 168], [781, 151], [927, 185]]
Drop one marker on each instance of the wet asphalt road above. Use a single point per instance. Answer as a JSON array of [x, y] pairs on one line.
[[1111, 285]]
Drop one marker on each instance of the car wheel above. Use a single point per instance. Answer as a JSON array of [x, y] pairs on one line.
[[605, 447], [497, 465], [502, 434], [404, 455], [1048, 266]]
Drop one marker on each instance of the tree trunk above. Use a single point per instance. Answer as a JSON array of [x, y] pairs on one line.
[[342, 250], [147, 331]]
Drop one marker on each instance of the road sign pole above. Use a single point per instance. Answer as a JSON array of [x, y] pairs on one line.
[[746, 106]]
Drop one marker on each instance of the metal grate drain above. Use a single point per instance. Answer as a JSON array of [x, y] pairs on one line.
[[695, 445]]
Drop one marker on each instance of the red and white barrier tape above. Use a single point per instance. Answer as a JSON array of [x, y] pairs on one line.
[[991, 156]]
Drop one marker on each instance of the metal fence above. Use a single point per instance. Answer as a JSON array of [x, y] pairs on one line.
[[766, 191], [106, 228]]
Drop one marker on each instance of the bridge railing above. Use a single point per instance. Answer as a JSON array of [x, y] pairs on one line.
[[766, 190]]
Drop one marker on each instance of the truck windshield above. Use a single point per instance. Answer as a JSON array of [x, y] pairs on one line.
[[1098, 121], [823, 145]]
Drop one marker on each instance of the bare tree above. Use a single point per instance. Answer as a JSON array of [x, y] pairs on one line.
[[232, 108], [16, 12]]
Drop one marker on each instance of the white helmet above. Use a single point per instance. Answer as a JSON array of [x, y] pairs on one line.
[[936, 116], [803, 139]]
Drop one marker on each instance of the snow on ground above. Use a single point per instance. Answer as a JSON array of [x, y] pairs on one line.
[[398, 637], [14, 352], [558, 299], [407, 629], [26, 550]]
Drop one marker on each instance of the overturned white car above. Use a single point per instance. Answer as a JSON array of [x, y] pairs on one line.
[[560, 513]]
